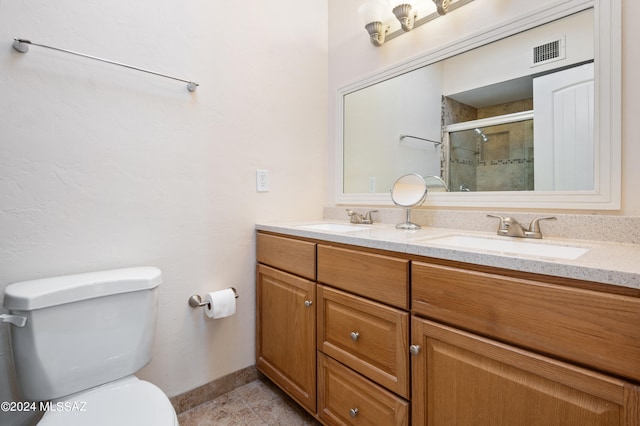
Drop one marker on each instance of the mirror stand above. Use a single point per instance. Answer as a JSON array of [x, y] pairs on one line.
[[408, 224]]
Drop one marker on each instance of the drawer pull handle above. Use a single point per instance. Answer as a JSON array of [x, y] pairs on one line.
[[354, 336], [308, 303], [353, 413], [414, 349]]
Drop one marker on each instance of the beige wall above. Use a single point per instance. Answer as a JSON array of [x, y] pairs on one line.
[[352, 57], [103, 167]]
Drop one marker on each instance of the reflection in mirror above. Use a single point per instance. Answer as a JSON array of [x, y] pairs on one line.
[[375, 153], [489, 81], [496, 157], [409, 191], [495, 80], [554, 152], [435, 184]]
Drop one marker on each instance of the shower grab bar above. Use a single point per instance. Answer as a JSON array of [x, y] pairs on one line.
[[22, 46], [422, 139]]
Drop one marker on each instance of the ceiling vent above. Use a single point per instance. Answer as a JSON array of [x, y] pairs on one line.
[[548, 52]]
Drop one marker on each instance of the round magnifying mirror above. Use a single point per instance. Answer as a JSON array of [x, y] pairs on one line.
[[435, 184], [409, 191]]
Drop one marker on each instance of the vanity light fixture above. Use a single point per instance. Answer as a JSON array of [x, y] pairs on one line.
[[410, 14], [374, 15], [442, 6], [405, 13]]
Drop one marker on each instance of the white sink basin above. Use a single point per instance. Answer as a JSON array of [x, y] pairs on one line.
[[334, 227], [510, 246]]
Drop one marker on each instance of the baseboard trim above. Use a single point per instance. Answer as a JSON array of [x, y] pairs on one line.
[[187, 400]]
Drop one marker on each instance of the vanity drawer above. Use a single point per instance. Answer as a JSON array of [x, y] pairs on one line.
[[378, 277], [588, 327], [367, 336], [347, 398], [295, 256]]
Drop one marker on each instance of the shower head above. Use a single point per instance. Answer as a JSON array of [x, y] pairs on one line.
[[484, 137]]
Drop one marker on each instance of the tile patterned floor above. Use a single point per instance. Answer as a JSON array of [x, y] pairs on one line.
[[259, 403]]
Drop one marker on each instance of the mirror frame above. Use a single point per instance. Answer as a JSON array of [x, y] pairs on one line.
[[608, 95]]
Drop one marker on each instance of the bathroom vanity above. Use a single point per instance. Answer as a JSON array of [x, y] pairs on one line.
[[380, 326]]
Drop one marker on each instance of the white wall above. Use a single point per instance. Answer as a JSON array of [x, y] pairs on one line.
[[103, 167], [352, 57]]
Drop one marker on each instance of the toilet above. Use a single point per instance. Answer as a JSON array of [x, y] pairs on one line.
[[77, 341]]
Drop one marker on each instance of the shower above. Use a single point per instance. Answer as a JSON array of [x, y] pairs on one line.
[[484, 137]]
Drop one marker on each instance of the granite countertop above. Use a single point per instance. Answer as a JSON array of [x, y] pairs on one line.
[[604, 262]]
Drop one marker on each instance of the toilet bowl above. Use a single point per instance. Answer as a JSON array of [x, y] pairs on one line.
[[121, 402], [77, 341]]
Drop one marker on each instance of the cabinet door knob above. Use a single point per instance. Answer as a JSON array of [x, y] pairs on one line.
[[354, 336], [308, 303], [414, 349], [353, 413]]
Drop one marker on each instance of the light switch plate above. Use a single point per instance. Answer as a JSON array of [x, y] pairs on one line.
[[262, 180]]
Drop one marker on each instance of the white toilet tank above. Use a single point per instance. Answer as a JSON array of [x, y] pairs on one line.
[[82, 330]]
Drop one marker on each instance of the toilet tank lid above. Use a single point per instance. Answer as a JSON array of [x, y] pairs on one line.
[[41, 293]]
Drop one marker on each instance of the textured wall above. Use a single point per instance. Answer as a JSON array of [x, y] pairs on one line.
[[103, 167]]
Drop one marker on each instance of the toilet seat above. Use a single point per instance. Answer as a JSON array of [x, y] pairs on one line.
[[127, 401]]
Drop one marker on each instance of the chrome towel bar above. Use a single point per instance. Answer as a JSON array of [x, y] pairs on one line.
[[22, 46], [436, 143]]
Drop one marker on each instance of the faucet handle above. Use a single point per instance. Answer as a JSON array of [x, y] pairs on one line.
[[367, 215], [534, 226], [509, 226], [503, 227], [504, 221], [354, 216], [358, 218]]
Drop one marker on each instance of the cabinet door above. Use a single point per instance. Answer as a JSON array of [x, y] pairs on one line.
[[462, 379], [286, 333]]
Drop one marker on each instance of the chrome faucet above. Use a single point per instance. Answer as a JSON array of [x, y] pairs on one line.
[[509, 227], [358, 218]]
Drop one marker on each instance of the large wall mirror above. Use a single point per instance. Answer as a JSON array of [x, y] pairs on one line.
[[526, 114]]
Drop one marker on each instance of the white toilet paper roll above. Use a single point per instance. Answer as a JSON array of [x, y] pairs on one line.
[[220, 304]]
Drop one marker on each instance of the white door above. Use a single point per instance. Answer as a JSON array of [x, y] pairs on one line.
[[563, 105]]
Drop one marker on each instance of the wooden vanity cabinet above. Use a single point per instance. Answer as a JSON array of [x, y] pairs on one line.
[[496, 350], [286, 316], [338, 324]]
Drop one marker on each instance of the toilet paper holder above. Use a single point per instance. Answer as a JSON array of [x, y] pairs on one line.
[[195, 301]]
